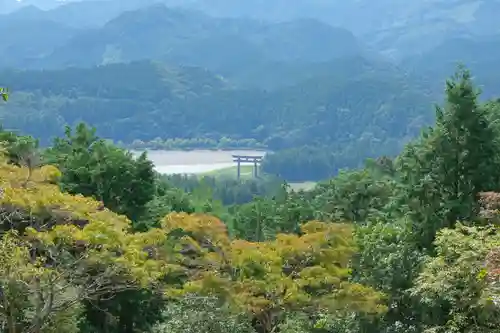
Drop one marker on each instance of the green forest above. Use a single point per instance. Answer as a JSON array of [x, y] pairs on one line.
[[331, 122], [322, 85], [93, 240]]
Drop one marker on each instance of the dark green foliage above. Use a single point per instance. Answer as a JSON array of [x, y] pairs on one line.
[[451, 163], [389, 260], [201, 316], [169, 200], [355, 196], [93, 167], [125, 312], [227, 190], [262, 218], [19, 147], [301, 164]]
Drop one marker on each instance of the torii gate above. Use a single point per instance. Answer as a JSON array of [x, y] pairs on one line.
[[256, 160]]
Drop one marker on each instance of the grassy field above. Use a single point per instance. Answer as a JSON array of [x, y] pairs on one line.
[[231, 172]]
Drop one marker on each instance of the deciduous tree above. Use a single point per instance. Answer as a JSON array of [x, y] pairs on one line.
[[59, 250], [301, 273], [454, 286]]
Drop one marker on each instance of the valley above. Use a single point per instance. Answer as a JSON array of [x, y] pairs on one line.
[[377, 201]]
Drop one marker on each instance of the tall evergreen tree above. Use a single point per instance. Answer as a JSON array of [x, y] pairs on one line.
[[451, 163]]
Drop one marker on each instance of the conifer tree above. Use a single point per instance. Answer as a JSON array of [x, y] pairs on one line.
[[453, 162]]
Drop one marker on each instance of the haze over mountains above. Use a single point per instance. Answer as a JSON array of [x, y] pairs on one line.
[[342, 74], [395, 27]]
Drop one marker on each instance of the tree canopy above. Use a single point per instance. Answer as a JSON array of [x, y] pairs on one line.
[[92, 239]]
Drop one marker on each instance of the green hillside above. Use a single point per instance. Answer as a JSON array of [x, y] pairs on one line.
[[357, 108]]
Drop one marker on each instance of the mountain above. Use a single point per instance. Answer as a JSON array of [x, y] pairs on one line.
[[480, 55], [144, 101], [30, 39], [261, 73], [397, 29], [110, 97], [196, 39], [427, 24], [78, 14], [242, 50], [9, 6]]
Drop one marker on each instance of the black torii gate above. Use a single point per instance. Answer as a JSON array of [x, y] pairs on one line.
[[247, 159]]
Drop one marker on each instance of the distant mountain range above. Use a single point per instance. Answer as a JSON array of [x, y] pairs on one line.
[[238, 49], [396, 28], [250, 51]]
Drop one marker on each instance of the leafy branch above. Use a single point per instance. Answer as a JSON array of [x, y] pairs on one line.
[[4, 94]]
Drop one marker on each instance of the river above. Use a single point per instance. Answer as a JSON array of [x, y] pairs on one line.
[[195, 161]]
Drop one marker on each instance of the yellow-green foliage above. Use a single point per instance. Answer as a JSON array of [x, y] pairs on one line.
[[493, 271], [308, 272], [81, 249], [40, 195], [4, 94], [91, 250], [461, 277]]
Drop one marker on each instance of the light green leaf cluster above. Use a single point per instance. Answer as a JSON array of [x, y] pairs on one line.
[[456, 279], [59, 249], [263, 279], [4, 94]]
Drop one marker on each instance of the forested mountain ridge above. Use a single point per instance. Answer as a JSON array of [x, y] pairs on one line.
[[299, 83], [123, 96], [77, 14], [393, 27], [280, 85], [355, 102], [185, 37], [240, 47]]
